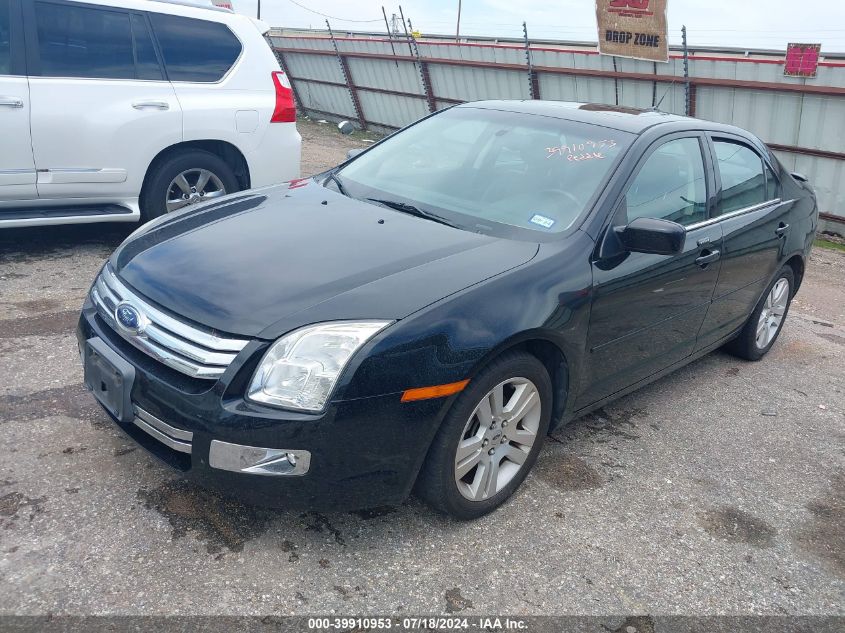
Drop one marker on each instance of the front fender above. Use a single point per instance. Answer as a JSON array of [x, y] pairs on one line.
[[547, 298]]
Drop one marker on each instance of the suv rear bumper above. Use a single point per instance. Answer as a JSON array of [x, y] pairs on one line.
[[276, 159]]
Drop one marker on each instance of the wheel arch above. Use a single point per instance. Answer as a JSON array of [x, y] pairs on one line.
[[224, 150], [549, 351], [798, 266]]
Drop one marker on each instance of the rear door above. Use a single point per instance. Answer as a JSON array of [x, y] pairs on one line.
[[647, 309], [17, 167], [755, 224], [102, 107]]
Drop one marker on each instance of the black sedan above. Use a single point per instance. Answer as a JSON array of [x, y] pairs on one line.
[[421, 316]]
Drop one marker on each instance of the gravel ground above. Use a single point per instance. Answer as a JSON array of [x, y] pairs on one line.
[[717, 490]]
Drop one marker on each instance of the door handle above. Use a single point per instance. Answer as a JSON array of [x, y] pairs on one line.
[[11, 102], [156, 105], [709, 258], [781, 230]]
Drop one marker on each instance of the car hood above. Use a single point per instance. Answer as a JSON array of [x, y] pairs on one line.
[[267, 261]]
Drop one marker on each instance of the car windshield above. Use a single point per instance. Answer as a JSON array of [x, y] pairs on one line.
[[490, 171]]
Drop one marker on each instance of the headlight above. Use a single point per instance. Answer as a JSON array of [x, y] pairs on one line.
[[301, 369]]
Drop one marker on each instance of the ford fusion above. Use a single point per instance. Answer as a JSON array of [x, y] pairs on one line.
[[420, 317]]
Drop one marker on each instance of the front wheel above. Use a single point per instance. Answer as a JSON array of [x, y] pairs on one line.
[[766, 322], [184, 179], [490, 438]]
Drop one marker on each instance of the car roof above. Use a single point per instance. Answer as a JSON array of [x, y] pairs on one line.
[[633, 120], [187, 8]]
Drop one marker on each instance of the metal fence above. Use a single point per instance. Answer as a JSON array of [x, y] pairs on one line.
[[387, 83]]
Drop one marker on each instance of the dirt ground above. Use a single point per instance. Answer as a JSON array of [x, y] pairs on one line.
[[717, 490], [326, 147]]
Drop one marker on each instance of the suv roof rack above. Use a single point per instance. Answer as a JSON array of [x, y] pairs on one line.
[[211, 5]]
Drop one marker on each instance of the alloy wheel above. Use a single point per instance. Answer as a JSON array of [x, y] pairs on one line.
[[497, 438], [772, 314], [193, 186]]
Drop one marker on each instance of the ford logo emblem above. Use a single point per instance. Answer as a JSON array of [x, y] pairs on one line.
[[129, 318]]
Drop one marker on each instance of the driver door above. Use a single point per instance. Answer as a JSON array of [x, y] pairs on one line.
[[17, 166], [647, 309]]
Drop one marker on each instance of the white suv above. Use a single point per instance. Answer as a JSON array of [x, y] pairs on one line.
[[122, 110]]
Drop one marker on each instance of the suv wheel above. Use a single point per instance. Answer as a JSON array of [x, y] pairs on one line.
[[490, 438], [184, 179]]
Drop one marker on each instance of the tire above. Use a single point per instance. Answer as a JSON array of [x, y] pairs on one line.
[[516, 373], [747, 345], [193, 161]]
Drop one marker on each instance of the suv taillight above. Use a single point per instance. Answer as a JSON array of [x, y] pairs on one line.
[[285, 111]]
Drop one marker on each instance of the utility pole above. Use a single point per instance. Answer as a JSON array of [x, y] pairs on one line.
[[686, 72], [458, 28], [259, 10]]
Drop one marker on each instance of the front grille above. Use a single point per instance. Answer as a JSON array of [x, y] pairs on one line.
[[186, 348]]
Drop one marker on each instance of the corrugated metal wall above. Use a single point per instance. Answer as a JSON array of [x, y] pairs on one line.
[[391, 91]]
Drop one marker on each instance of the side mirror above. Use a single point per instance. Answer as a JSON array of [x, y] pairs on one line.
[[799, 177], [354, 152], [650, 235]]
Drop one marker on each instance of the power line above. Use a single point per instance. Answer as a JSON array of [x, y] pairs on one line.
[[325, 15]]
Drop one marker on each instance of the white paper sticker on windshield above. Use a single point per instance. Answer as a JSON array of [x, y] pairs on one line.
[[543, 221], [588, 150]]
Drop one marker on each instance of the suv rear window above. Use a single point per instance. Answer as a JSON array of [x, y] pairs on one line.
[[5, 39], [195, 50]]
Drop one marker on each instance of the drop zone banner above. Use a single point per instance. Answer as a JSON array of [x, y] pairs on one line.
[[633, 28]]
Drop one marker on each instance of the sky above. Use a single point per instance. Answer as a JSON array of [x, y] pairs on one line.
[[768, 24]]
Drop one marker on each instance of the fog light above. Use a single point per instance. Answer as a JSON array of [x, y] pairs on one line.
[[254, 460]]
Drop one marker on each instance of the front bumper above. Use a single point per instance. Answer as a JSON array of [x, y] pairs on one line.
[[357, 454]]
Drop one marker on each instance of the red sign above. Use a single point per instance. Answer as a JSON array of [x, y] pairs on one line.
[[802, 60], [630, 8]]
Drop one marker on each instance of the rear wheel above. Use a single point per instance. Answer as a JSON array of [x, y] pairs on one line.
[[184, 179], [490, 438], [765, 323]]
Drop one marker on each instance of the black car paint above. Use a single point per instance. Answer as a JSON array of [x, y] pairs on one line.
[[292, 268], [603, 325]]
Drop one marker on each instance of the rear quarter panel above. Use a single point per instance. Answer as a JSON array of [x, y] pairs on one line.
[[803, 217], [238, 108]]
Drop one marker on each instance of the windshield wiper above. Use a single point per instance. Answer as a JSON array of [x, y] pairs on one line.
[[412, 210], [333, 177]]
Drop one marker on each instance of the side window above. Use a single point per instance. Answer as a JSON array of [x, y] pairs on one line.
[[195, 50], [772, 185], [743, 181], [146, 62], [77, 41], [5, 39], [670, 185]]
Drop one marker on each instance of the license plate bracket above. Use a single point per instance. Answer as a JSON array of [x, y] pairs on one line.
[[110, 378]]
